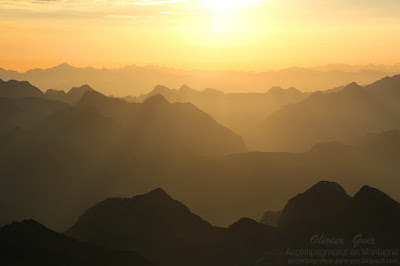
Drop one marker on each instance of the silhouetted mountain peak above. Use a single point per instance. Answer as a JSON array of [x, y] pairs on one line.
[[99, 101], [154, 216], [63, 66], [81, 89], [25, 225], [322, 200], [293, 90], [244, 223], [387, 84], [14, 82], [246, 227], [157, 99], [185, 89], [327, 187], [160, 89], [352, 87], [158, 193], [75, 93], [376, 210], [370, 194], [386, 80], [276, 90], [92, 97], [17, 89]]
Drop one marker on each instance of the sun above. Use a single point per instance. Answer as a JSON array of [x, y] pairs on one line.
[[228, 5]]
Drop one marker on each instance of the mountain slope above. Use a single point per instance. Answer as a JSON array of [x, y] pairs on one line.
[[18, 89], [326, 207], [241, 112], [96, 146], [30, 243], [321, 202], [351, 112], [167, 233], [26, 112], [154, 121], [155, 225], [71, 97]]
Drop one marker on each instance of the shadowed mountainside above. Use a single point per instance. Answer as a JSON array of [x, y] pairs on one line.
[[93, 170], [105, 147], [167, 233], [154, 225], [71, 97], [18, 89], [241, 112], [351, 112], [30, 243]]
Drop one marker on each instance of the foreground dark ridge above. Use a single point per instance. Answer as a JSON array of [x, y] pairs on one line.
[[167, 233], [30, 243]]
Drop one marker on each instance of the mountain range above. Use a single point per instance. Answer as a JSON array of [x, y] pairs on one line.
[[241, 112], [166, 232], [337, 116], [63, 153], [134, 80], [249, 182], [108, 147]]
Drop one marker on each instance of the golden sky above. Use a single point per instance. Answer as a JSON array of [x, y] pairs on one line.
[[198, 34]]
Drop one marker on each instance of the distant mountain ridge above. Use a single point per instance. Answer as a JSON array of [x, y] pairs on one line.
[[134, 80], [71, 97], [241, 112], [351, 112]]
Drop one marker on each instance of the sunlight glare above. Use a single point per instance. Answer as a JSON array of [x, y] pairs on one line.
[[226, 5]]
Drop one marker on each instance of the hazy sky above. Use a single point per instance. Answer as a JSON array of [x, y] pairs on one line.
[[198, 34]]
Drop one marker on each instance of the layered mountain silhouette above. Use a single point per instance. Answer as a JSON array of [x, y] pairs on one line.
[[54, 148], [327, 208], [337, 116], [154, 121], [105, 147], [17, 89], [154, 124], [154, 225], [71, 97], [321, 202], [167, 233], [241, 112], [250, 183], [30, 243], [133, 80], [25, 112]]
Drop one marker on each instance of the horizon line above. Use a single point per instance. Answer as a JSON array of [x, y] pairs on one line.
[[155, 66]]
